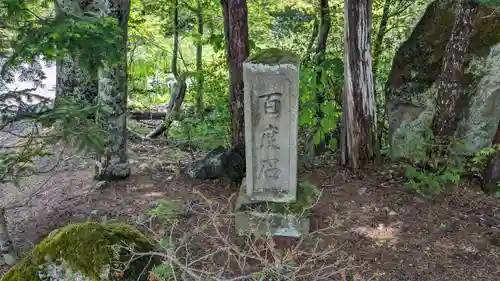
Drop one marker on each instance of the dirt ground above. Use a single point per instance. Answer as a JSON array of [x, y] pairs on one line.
[[375, 228]]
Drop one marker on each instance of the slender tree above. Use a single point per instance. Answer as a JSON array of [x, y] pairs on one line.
[[113, 164], [358, 103], [323, 31], [199, 58], [236, 32], [449, 97]]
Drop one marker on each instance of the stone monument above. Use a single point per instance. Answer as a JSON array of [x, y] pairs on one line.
[[271, 201]]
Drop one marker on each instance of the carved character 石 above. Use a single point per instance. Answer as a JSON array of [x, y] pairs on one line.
[[269, 170]]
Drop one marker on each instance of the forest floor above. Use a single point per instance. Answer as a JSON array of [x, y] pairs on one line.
[[370, 225]]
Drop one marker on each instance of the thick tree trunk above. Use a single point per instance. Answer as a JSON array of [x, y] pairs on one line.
[[358, 103], [236, 30], [449, 100], [199, 60], [113, 164], [73, 82]]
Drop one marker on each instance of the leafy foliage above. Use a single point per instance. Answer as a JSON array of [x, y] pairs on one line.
[[433, 168], [35, 36]]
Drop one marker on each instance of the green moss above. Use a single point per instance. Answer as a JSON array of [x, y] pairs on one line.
[[86, 248], [274, 56], [307, 195]]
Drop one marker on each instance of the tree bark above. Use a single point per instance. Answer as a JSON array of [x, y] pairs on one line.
[[449, 100], [113, 164], [358, 144], [236, 31]]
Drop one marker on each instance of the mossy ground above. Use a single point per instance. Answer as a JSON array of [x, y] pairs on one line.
[[307, 195], [274, 56], [87, 248]]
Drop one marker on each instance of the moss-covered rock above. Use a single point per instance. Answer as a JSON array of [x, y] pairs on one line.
[[411, 87], [86, 251], [274, 56]]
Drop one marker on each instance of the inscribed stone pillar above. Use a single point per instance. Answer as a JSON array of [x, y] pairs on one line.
[[271, 201], [271, 109]]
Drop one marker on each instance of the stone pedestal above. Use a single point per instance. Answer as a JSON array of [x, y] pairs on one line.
[[267, 219], [271, 80]]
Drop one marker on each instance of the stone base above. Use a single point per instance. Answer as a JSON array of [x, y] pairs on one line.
[[270, 219]]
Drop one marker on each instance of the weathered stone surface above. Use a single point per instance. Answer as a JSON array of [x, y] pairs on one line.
[[411, 87], [267, 219], [218, 163], [271, 107], [84, 252]]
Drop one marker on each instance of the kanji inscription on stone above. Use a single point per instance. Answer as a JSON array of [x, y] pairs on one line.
[[271, 109]]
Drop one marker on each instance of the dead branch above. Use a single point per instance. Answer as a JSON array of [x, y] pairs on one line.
[[173, 110], [202, 246]]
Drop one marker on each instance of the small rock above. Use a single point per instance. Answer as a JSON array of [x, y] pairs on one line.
[[153, 204], [362, 191], [101, 185], [393, 213], [143, 167]]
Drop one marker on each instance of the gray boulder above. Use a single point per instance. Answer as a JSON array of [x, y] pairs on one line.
[[411, 87]]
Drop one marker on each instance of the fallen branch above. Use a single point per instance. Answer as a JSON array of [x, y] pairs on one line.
[[144, 115]]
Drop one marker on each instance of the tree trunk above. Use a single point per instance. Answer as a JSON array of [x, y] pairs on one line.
[[314, 35], [178, 90], [113, 164], [358, 102], [323, 31], [175, 49], [199, 60], [449, 100], [492, 173], [377, 44], [236, 31], [73, 82], [377, 52]]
